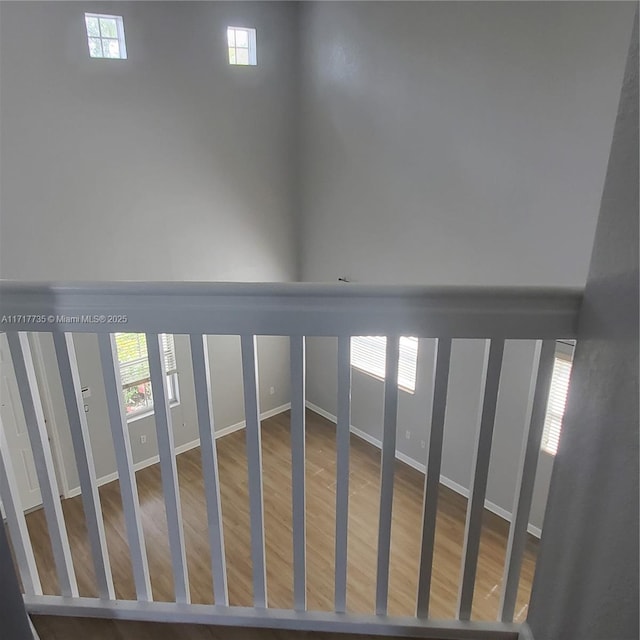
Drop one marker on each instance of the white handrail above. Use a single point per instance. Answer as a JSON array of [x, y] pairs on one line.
[[291, 309]]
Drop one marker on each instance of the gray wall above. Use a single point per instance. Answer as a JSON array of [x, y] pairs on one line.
[[455, 143], [170, 165], [586, 583]]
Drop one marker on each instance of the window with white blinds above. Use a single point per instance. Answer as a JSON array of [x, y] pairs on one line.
[[133, 361], [557, 402], [368, 354]]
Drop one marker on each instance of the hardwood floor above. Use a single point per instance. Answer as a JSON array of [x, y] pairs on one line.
[[363, 521]]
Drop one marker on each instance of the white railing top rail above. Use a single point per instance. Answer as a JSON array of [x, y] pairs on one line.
[[291, 309]]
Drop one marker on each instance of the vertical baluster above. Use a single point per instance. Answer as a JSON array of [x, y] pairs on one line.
[[168, 468], [492, 366], [254, 462], [124, 464], [36, 427], [432, 475], [386, 472], [20, 540], [72, 391], [297, 349], [342, 471], [536, 409], [202, 382]]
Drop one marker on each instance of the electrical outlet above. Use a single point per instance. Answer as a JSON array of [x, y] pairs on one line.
[[272, 390], [423, 444], [143, 439], [407, 434]]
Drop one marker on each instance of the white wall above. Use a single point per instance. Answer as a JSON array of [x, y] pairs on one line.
[[170, 165], [455, 143]]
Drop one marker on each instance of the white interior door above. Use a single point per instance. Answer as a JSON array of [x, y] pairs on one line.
[[16, 432]]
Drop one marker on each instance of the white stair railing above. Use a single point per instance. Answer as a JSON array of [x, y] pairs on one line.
[[432, 475], [38, 437], [124, 464], [202, 382], [297, 311], [72, 390]]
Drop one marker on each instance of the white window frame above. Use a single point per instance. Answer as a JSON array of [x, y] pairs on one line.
[[368, 355], [173, 389], [251, 48], [122, 46], [560, 381]]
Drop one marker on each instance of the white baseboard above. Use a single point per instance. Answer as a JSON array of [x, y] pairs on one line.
[[450, 484], [187, 446], [325, 414], [225, 431]]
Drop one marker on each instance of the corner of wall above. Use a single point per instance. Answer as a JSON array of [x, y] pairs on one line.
[[297, 154]]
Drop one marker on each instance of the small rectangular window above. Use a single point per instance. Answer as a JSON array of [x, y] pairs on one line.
[[105, 36], [369, 354], [134, 372], [557, 397], [242, 46]]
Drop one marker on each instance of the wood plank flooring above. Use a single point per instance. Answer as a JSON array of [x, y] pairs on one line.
[[363, 522]]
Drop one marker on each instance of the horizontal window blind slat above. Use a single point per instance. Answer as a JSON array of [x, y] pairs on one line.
[[556, 403], [169, 351], [368, 354], [133, 358]]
